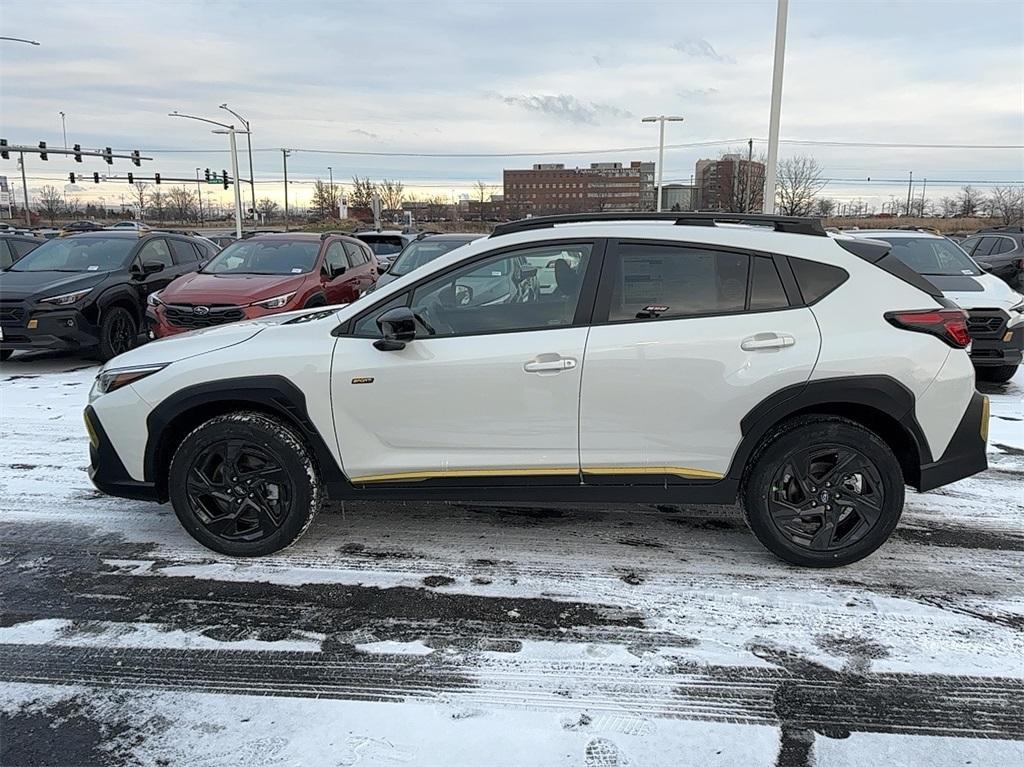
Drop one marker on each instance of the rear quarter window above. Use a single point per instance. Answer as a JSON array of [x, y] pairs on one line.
[[816, 280]]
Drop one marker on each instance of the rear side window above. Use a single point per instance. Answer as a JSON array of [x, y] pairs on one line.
[[1003, 245], [816, 280], [766, 291], [673, 281], [183, 252]]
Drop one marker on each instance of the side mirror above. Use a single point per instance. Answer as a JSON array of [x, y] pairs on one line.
[[397, 327], [985, 265], [152, 267], [336, 271]]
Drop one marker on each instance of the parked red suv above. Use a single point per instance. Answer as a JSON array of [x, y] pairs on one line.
[[262, 275]]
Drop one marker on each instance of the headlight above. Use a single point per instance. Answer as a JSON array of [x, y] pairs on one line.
[[112, 380], [1016, 314], [66, 298], [276, 302], [153, 299]]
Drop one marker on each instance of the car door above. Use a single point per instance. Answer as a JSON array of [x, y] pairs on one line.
[[488, 389], [155, 249], [338, 284], [362, 268], [185, 256], [686, 340]]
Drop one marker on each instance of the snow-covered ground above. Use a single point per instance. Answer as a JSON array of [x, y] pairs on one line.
[[466, 634]]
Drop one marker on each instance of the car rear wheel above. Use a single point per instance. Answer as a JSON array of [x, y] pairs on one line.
[[245, 484], [996, 373], [823, 491], [118, 333]]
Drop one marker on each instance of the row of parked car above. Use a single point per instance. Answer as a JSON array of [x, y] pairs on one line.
[[101, 291]]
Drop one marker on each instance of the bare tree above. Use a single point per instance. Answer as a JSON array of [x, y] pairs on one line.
[[969, 201], [362, 192], [325, 200], [140, 192], [949, 206], [158, 204], [51, 203], [745, 192], [391, 194], [73, 208], [182, 203], [1007, 204], [799, 181], [267, 208], [824, 206]]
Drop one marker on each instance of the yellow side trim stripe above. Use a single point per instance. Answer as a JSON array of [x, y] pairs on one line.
[[984, 419], [419, 476]]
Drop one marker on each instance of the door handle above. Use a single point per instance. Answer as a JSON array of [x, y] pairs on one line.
[[549, 366], [767, 341]]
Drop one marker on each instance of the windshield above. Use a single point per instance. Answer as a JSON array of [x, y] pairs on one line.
[[422, 252], [384, 245], [265, 257], [935, 256], [78, 254]]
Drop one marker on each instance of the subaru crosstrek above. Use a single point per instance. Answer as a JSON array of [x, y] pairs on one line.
[[675, 359]]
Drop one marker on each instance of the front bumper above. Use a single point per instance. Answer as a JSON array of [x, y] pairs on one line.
[[965, 454], [106, 470], [57, 329], [1004, 350]]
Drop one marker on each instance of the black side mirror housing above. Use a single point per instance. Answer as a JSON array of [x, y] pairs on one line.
[[397, 327], [985, 265], [152, 267]]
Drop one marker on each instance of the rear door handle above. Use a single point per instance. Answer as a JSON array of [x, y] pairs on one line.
[[767, 341], [549, 366]]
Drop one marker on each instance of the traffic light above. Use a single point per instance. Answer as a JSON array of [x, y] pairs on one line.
[[7, 155], [78, 152], [71, 177], [131, 178], [136, 160], [108, 155], [156, 178], [225, 177], [95, 178], [42, 151], [207, 173]]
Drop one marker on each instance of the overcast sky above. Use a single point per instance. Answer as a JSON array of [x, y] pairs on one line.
[[515, 77]]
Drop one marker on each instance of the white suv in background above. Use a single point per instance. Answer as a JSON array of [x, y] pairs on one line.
[[680, 358]]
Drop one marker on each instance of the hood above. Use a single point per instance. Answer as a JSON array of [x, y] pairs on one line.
[[185, 345], [986, 292], [238, 289], [18, 285]]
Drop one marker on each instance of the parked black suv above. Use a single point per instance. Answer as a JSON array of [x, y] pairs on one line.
[[88, 291], [14, 246], [999, 250]]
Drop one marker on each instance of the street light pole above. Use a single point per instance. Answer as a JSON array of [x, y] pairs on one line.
[[330, 170], [662, 119], [20, 40], [284, 159], [248, 141], [24, 187], [64, 129], [230, 131], [781, 17], [199, 191]]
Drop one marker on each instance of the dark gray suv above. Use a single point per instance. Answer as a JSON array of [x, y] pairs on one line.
[[1000, 251]]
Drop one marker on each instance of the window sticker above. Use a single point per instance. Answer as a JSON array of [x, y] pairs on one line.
[[296, 270], [94, 268]]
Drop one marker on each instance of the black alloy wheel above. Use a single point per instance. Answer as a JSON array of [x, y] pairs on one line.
[[827, 497], [118, 333], [239, 491]]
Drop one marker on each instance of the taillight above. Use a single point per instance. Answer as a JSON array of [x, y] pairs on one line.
[[948, 324]]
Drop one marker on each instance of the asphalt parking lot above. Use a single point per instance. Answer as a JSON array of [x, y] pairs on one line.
[[431, 633]]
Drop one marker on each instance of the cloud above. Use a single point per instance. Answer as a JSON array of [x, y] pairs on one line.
[[701, 49], [568, 108], [365, 133], [696, 93], [599, 60]]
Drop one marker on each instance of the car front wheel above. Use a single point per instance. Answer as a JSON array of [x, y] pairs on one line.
[[118, 333], [823, 491], [245, 484]]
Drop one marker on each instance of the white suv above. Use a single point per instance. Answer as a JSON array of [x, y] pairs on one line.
[[677, 358]]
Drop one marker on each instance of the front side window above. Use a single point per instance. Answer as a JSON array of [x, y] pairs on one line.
[[155, 250], [335, 259], [6, 257], [970, 244], [502, 293], [270, 256], [78, 254], [676, 281]]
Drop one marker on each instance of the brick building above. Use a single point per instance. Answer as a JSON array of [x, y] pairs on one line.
[[604, 186], [723, 184]]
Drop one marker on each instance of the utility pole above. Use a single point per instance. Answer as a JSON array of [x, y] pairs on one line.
[[924, 186], [661, 119], [910, 187], [64, 129], [199, 191], [284, 159], [776, 109], [750, 161]]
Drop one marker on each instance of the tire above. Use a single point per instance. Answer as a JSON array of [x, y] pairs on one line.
[[314, 301], [807, 523], [5, 354], [250, 516], [996, 373], [118, 333]]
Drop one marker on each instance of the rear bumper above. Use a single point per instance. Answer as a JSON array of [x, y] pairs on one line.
[[106, 470], [965, 454]]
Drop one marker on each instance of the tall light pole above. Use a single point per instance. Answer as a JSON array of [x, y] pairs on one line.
[[199, 191], [773, 126], [20, 40], [64, 128], [284, 159], [662, 119], [230, 131], [248, 139], [330, 170]]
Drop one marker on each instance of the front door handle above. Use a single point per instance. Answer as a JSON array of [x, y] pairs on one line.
[[549, 365], [767, 341]]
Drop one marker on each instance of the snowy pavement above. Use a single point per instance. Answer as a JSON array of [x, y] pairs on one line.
[[470, 634]]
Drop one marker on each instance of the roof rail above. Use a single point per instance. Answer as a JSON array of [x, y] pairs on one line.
[[790, 224]]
